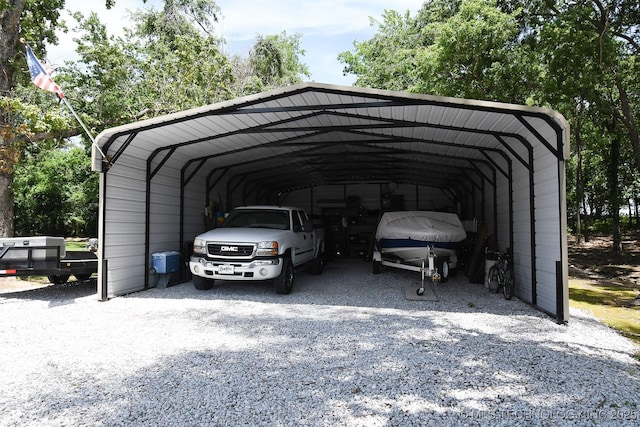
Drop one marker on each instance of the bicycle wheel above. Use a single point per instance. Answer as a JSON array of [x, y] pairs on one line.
[[507, 288], [493, 279]]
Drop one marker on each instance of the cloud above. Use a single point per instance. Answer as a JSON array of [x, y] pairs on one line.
[[327, 28], [306, 17]]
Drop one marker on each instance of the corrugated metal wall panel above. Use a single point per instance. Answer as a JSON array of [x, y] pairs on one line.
[[523, 271], [502, 234], [194, 204], [164, 208], [123, 210], [548, 225]]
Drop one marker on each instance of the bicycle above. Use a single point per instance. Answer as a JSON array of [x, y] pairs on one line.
[[501, 275]]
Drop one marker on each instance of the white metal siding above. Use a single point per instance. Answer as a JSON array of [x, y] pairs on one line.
[[123, 207], [547, 216], [523, 275]]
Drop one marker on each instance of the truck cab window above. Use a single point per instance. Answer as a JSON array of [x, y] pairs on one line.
[[297, 223]]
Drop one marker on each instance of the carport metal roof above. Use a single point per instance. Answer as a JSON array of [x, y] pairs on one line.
[[313, 134]]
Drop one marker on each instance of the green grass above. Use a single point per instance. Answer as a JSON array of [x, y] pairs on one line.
[[75, 245], [611, 304]]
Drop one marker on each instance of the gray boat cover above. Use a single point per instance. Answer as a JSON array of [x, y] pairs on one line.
[[426, 226]]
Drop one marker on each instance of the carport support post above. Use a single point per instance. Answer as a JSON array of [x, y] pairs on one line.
[[103, 281], [559, 293], [102, 291]]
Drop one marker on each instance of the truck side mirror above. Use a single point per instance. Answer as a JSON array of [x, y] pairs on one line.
[[307, 226]]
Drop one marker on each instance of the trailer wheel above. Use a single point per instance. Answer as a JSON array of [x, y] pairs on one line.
[[57, 279], [83, 277], [443, 269], [420, 291], [202, 283]]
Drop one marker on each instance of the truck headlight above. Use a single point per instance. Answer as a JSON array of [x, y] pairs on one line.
[[267, 248], [200, 246]]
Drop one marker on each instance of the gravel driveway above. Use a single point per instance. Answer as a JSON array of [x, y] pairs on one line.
[[345, 348]]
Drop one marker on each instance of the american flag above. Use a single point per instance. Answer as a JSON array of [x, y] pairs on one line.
[[39, 76]]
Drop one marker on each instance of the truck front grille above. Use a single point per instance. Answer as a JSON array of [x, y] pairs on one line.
[[217, 249]]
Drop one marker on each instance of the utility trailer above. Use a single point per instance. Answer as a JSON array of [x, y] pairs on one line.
[[424, 264], [44, 256]]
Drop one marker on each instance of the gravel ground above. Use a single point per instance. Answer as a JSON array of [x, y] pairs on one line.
[[345, 348]]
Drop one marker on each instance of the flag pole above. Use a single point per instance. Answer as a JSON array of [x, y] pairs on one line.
[[93, 141], [43, 80]]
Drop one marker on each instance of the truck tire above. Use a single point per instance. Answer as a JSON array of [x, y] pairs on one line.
[[58, 279], [202, 283], [83, 277], [317, 265], [284, 282]]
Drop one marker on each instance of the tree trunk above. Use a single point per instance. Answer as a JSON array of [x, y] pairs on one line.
[[6, 205], [614, 192], [579, 183], [628, 120], [9, 33]]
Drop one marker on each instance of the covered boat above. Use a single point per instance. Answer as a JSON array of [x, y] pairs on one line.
[[409, 237]]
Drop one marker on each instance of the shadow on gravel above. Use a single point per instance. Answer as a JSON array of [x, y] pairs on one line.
[[353, 367], [56, 294]]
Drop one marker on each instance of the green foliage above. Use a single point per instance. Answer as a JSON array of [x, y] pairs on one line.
[[465, 49], [579, 57], [55, 193], [476, 54], [275, 60], [388, 60], [169, 60]]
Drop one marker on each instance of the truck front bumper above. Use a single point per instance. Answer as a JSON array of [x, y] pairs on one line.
[[257, 269]]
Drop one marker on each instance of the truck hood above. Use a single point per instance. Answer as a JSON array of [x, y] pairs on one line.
[[242, 235]]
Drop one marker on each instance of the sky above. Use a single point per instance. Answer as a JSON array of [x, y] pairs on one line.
[[327, 28]]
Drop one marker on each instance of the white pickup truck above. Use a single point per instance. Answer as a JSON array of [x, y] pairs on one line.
[[258, 243]]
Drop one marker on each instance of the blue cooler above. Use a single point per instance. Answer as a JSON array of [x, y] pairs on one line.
[[166, 262]]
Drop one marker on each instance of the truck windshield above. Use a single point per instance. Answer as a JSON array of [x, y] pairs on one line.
[[248, 218]]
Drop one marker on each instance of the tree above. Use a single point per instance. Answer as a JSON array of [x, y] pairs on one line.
[[467, 49], [35, 21], [274, 61], [32, 117], [17, 19], [476, 53], [169, 60], [56, 193], [591, 52], [579, 57], [145, 74], [388, 60]]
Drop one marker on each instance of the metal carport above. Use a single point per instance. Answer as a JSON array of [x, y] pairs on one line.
[[503, 164]]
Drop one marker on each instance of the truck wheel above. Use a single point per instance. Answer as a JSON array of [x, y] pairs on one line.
[[57, 279], [83, 277], [317, 265], [202, 283], [376, 267], [284, 282]]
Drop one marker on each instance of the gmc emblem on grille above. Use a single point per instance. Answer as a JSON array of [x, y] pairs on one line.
[[229, 248]]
